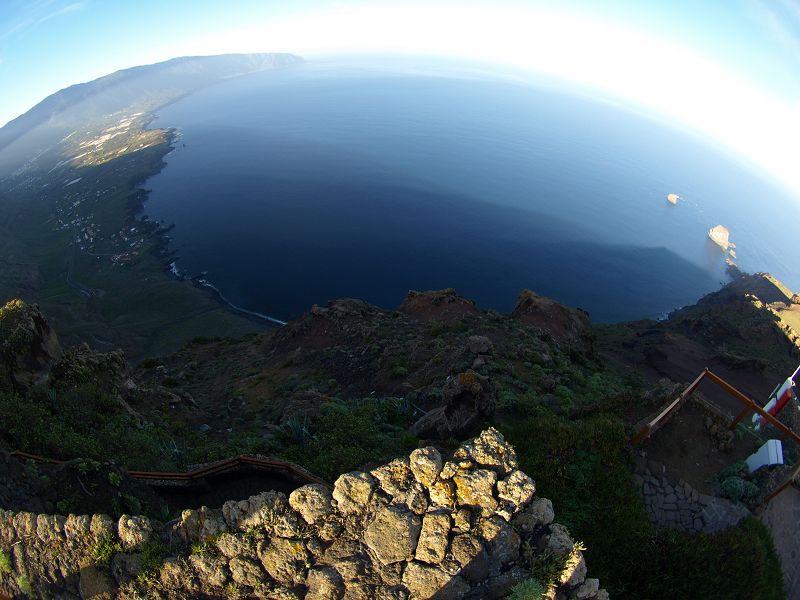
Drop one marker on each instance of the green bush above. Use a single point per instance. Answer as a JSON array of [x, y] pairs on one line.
[[530, 589], [5, 562], [24, 585], [737, 489], [153, 554], [84, 423], [104, 550], [347, 434], [399, 371]]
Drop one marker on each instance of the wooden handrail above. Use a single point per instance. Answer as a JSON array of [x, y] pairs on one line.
[[215, 468], [661, 417], [749, 406], [789, 481]]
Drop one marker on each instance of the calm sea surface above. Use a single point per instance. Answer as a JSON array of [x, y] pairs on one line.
[[339, 179]]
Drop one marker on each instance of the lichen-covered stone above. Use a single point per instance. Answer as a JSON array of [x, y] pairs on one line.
[[394, 477], [442, 494], [433, 537], [537, 514], [77, 526], [574, 572], [95, 582], [231, 545], [102, 526], [174, 574], [476, 488], [312, 501], [350, 559], [426, 581], [426, 464], [558, 540], [503, 541], [470, 554], [284, 559], [352, 492], [245, 572], [393, 534], [588, 589], [50, 528], [489, 450], [517, 489], [324, 584], [125, 567], [133, 531], [211, 569], [415, 528]]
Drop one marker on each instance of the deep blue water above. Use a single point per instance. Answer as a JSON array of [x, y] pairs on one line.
[[334, 180]]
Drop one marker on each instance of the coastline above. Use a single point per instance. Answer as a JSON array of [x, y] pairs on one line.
[[162, 251]]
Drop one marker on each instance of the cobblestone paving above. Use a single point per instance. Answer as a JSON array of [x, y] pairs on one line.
[[782, 516], [677, 504]]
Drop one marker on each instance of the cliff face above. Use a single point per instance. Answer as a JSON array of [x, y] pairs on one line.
[[416, 527]]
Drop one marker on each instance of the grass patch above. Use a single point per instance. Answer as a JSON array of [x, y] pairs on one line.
[[5, 563], [583, 467], [104, 550]]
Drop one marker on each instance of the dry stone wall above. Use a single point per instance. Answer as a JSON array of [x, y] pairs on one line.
[[417, 527], [677, 504]]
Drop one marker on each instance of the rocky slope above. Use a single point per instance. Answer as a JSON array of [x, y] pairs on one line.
[[349, 386], [416, 527]]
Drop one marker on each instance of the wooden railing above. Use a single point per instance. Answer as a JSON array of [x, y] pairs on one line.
[[215, 468], [749, 406]]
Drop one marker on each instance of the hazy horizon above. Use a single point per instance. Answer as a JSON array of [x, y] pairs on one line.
[[729, 70]]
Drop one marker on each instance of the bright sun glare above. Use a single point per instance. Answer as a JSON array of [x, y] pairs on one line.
[[655, 73]]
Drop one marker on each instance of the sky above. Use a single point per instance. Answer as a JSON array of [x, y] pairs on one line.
[[730, 69]]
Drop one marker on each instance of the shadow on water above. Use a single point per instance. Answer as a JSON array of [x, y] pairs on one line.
[[314, 241]]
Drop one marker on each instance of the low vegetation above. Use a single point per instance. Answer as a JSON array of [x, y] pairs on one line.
[[582, 465]]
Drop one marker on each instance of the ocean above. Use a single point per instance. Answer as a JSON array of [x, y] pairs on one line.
[[366, 179]]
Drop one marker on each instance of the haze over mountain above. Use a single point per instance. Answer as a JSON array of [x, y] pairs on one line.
[[137, 89]]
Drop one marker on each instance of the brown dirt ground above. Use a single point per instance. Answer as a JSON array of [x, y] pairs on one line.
[[687, 449]]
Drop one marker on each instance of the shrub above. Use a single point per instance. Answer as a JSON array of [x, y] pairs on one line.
[[399, 371], [737, 489], [153, 554], [530, 589], [5, 562], [25, 585], [105, 550]]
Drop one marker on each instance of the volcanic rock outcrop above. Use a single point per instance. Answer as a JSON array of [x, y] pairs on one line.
[[569, 327], [28, 347]]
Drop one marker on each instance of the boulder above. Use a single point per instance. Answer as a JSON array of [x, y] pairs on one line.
[[437, 305], [392, 535], [426, 464], [133, 531], [312, 501], [433, 537], [569, 327], [285, 560], [28, 347], [426, 581], [352, 492], [469, 400]]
